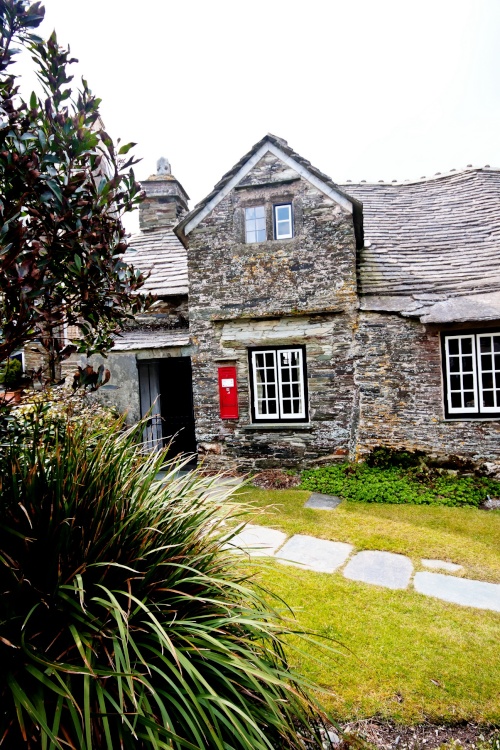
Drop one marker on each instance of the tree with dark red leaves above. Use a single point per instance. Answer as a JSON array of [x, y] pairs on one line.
[[64, 188]]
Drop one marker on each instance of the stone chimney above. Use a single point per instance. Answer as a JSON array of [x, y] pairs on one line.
[[166, 200]]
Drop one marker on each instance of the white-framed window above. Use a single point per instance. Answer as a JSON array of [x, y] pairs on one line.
[[278, 384], [255, 224], [283, 223], [472, 374]]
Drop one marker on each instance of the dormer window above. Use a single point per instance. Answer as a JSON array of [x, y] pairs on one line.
[[283, 227], [255, 224]]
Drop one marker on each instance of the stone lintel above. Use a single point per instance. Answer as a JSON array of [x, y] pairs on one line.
[[223, 318], [274, 183]]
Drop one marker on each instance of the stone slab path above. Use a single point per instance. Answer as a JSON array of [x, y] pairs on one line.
[[375, 567], [322, 502], [459, 590], [259, 541], [324, 556], [380, 568]]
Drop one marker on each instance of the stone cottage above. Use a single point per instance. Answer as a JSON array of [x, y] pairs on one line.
[[300, 321]]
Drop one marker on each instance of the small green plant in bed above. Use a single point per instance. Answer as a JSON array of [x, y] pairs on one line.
[[399, 478]]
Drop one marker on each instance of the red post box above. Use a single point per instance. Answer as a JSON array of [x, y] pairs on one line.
[[228, 393]]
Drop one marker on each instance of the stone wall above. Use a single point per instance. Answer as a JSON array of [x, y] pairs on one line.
[[399, 376], [296, 291], [328, 340]]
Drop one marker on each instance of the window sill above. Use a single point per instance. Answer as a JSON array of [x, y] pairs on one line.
[[276, 426], [471, 418]]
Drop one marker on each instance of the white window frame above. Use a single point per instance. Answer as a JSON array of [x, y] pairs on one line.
[[491, 409], [253, 222], [279, 415], [287, 234], [478, 410]]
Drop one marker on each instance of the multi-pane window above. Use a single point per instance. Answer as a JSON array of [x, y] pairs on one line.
[[472, 374], [255, 224], [278, 384], [283, 228]]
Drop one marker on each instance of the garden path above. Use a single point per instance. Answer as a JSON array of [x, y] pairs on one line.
[[373, 567]]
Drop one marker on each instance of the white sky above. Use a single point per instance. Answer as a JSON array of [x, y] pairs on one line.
[[364, 89]]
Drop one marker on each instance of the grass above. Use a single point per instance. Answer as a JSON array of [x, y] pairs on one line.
[[402, 655]]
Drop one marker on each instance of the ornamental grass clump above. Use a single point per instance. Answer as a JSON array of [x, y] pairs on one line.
[[124, 620]]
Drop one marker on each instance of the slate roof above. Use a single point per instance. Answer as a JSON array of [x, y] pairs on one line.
[[283, 146], [428, 242], [132, 340], [430, 239], [160, 253]]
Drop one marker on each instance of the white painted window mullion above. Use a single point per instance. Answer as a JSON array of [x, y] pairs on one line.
[[301, 376], [280, 384]]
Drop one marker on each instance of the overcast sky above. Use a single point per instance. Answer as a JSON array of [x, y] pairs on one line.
[[371, 89]]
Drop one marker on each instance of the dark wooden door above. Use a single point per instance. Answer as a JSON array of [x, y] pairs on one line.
[[149, 391], [176, 388]]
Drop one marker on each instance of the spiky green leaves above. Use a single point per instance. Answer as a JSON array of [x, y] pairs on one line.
[[124, 621]]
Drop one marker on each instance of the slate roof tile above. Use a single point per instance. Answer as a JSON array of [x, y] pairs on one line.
[[434, 235], [133, 340], [161, 254]]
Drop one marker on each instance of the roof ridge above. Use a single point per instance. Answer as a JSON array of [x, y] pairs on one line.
[[414, 181]]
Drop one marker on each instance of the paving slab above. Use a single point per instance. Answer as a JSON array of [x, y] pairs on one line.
[[442, 565], [257, 541], [459, 590], [322, 502], [380, 568], [320, 555]]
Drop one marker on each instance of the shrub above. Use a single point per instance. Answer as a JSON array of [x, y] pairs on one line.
[[393, 484], [11, 373], [124, 622], [42, 414]]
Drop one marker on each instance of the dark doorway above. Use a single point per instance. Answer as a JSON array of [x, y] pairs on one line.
[[166, 391], [176, 388]]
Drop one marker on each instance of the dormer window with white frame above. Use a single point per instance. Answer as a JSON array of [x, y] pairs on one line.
[[283, 222], [255, 224], [471, 368]]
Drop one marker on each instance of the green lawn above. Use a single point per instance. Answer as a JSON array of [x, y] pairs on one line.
[[399, 654]]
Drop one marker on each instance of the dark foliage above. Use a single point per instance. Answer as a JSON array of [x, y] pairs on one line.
[[63, 190], [384, 458]]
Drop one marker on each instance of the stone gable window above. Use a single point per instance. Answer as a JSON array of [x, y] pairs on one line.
[[255, 224], [283, 224], [278, 384], [471, 364], [277, 218]]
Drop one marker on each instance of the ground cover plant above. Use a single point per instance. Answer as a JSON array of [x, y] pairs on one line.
[[403, 657], [124, 622], [400, 477]]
